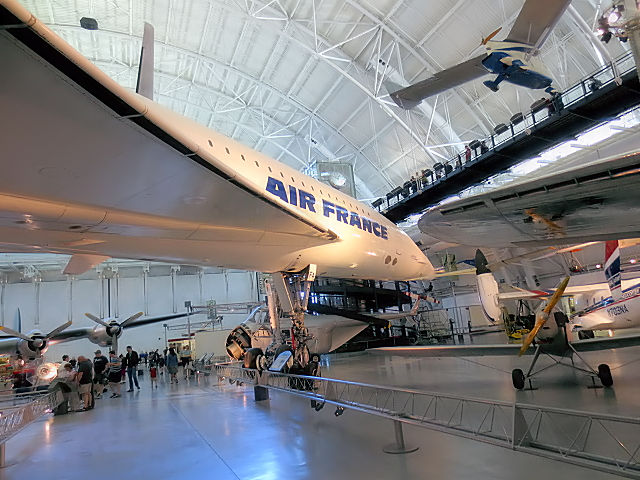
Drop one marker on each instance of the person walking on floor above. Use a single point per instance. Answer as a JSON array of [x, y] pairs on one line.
[[185, 360], [114, 367], [132, 368], [172, 364]]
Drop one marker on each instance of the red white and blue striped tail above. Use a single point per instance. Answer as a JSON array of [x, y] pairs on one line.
[[612, 268]]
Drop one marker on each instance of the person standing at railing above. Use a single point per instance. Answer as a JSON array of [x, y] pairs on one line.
[[69, 377], [99, 368], [85, 381], [467, 154]]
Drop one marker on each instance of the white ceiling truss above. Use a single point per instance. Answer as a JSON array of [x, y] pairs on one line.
[[306, 80]]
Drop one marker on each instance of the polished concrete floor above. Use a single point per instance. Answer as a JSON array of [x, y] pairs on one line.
[[490, 377], [210, 431]]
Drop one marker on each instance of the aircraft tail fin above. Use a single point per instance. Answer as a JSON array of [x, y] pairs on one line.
[[487, 289], [612, 268], [144, 85], [481, 263]]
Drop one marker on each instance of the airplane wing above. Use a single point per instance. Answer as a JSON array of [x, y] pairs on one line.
[[149, 320], [87, 163], [523, 294], [590, 345], [536, 20], [558, 205], [412, 95], [595, 344], [79, 333], [453, 350]]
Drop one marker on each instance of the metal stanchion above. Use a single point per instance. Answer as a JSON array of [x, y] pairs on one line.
[[399, 446]]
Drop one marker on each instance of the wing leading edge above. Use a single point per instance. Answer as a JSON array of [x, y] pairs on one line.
[[412, 95]]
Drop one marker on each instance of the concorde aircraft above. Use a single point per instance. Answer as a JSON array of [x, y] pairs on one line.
[[513, 59], [92, 169]]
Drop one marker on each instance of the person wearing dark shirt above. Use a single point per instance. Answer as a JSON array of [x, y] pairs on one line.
[[99, 368], [85, 381], [132, 366]]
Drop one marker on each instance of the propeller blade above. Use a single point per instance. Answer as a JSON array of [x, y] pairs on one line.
[[544, 315], [56, 331], [132, 318], [14, 333], [491, 35], [555, 298], [114, 344], [97, 320]]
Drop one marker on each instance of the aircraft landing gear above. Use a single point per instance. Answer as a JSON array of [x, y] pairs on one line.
[[291, 294], [604, 374], [517, 377], [252, 358]]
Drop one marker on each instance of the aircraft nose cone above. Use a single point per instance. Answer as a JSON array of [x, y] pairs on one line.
[[38, 342]]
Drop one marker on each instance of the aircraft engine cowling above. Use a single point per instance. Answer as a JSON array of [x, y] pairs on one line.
[[248, 335], [239, 341], [102, 336], [31, 349]]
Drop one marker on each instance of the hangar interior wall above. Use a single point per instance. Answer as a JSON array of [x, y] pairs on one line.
[[53, 307]]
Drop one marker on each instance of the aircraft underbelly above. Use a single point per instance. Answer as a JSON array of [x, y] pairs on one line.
[[599, 210], [101, 159]]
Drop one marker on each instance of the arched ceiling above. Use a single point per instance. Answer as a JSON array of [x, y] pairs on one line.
[[304, 80]]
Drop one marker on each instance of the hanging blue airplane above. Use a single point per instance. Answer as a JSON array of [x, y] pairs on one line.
[[513, 59]]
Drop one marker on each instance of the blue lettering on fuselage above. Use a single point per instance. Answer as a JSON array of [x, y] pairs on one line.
[[307, 201], [617, 310]]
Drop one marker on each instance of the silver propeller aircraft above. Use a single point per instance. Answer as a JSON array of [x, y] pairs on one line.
[[34, 344], [31, 345]]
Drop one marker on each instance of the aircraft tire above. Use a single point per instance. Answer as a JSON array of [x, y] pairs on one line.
[[604, 374], [251, 357], [314, 358], [517, 377]]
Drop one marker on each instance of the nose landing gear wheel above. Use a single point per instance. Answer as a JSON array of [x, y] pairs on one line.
[[604, 374], [251, 357], [517, 377]]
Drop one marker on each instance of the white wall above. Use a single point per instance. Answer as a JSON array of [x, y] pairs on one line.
[[225, 287]]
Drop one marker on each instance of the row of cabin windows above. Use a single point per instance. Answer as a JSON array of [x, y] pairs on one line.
[[292, 179]]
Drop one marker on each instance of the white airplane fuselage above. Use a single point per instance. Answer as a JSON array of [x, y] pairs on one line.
[[610, 314]]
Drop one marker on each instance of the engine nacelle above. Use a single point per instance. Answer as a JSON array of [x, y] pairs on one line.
[[101, 335], [248, 335], [31, 349]]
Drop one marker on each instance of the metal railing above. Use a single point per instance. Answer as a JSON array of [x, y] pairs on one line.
[[14, 418], [604, 442], [588, 85]]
